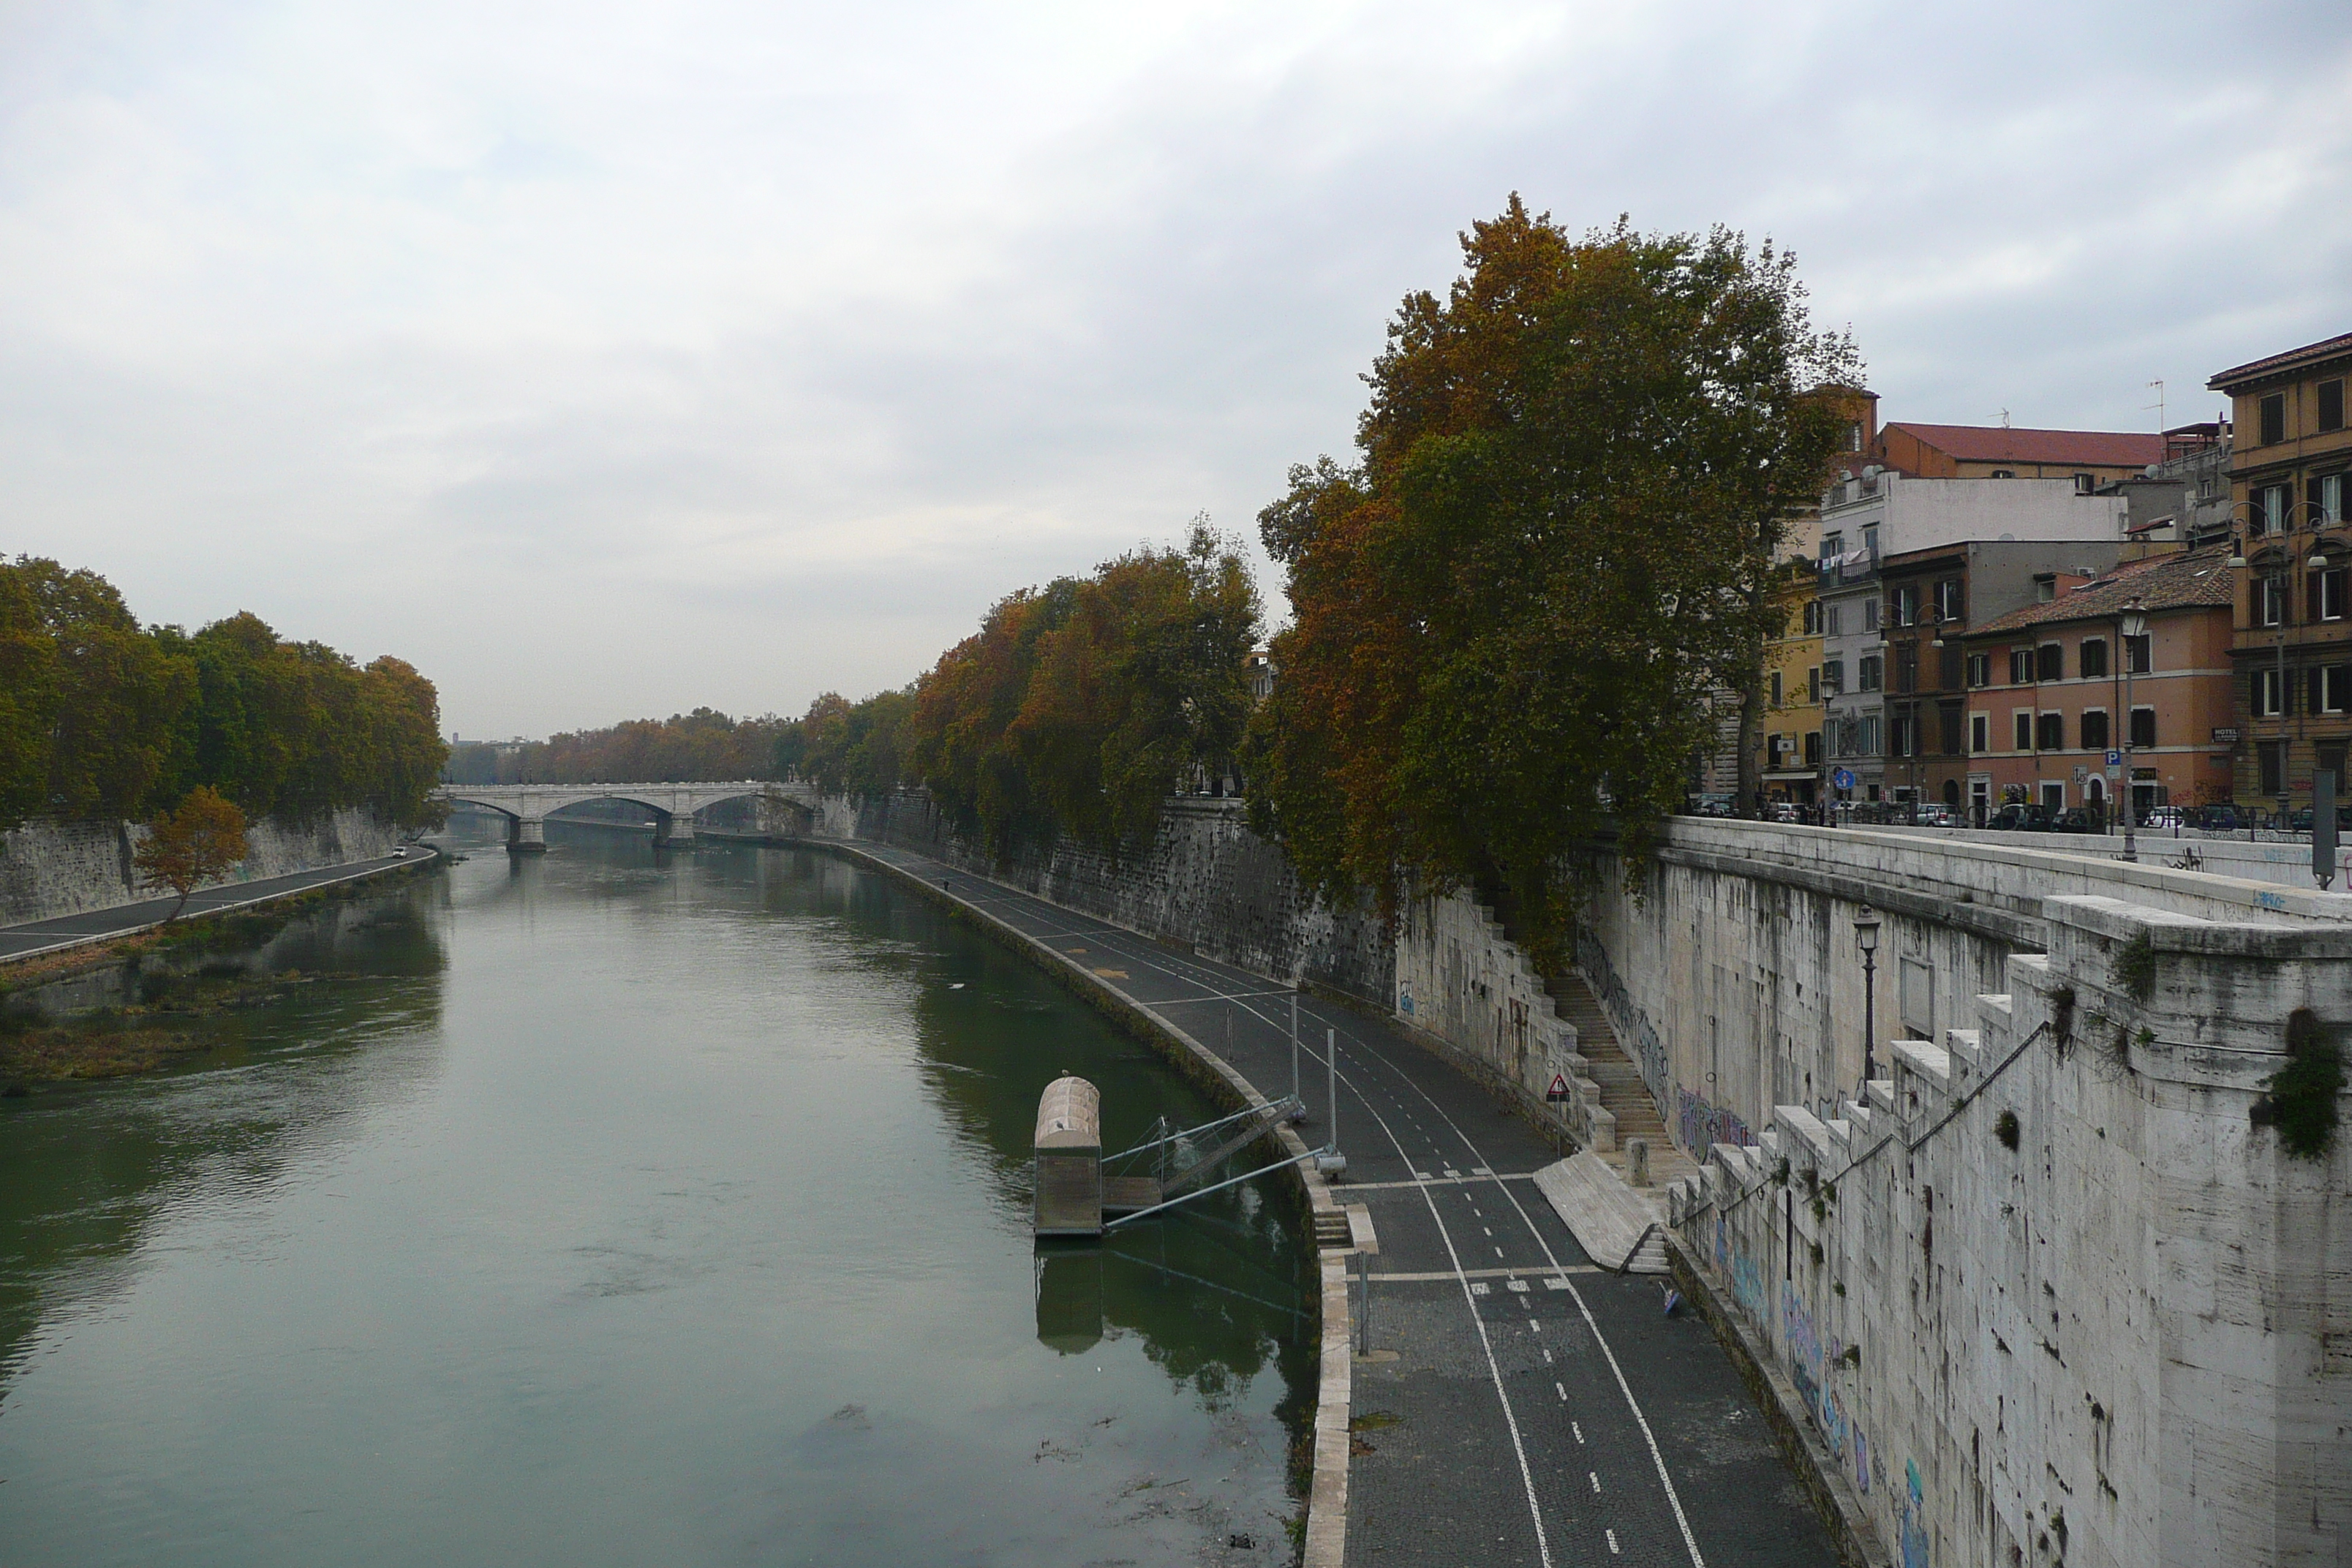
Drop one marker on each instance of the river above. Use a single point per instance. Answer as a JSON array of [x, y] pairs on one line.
[[615, 1207]]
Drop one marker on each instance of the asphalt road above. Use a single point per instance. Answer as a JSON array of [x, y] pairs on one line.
[[1520, 1405], [35, 937]]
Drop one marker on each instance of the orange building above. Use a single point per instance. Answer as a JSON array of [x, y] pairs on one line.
[[2055, 688], [2089, 457]]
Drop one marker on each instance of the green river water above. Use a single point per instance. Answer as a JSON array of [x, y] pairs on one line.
[[623, 1208]]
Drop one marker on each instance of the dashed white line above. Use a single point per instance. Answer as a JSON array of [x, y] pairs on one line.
[[1595, 1476], [1613, 1543], [1560, 1389], [1577, 1427]]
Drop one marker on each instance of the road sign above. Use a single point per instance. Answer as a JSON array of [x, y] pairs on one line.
[[2115, 759], [1559, 1089], [1842, 778]]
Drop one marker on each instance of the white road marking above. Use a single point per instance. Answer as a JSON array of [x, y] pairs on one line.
[[1561, 1389], [1577, 1427], [1547, 1358], [1612, 1541], [1479, 1288], [1596, 1479]]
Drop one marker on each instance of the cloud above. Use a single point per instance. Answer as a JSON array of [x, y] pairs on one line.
[[607, 359]]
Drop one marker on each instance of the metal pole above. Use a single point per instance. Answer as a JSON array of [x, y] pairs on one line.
[[2131, 848], [1294, 1045], [1869, 1021], [1331, 1066]]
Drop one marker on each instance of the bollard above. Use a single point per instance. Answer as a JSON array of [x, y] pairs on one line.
[[1637, 1162]]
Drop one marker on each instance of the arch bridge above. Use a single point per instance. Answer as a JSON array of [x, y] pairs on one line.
[[783, 808]]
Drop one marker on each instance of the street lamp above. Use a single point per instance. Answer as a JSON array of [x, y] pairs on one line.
[[1865, 938], [2133, 624]]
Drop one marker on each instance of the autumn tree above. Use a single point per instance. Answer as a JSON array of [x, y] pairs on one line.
[[197, 842], [1573, 477]]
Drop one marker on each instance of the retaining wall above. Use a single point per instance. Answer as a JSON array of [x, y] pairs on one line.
[[49, 868], [1205, 881]]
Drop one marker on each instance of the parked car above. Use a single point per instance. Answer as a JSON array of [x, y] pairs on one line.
[[2076, 819], [2022, 819], [1935, 814], [2224, 818]]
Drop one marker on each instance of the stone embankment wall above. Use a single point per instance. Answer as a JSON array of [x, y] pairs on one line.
[[1460, 978], [51, 868], [1205, 881], [2124, 1337]]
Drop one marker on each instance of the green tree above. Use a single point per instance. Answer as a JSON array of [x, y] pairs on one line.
[[197, 842], [28, 698], [1576, 472]]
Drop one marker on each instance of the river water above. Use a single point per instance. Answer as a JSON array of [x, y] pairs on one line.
[[623, 1208]]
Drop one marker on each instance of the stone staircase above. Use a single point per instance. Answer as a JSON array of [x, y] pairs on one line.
[[1623, 1093]]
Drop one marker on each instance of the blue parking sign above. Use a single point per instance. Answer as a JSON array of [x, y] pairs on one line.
[[2115, 759]]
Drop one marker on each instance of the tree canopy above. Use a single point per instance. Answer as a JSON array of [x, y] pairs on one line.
[[1572, 478], [200, 841], [1078, 708], [684, 748], [100, 717]]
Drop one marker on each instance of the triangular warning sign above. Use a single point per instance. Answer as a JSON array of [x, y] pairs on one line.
[[1559, 1089]]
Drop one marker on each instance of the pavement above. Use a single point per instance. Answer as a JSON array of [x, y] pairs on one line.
[[1519, 1405], [35, 937]]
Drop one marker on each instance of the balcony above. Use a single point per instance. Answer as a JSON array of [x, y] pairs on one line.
[[1857, 566]]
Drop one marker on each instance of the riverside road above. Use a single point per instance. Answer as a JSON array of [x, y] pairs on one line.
[[1520, 1405]]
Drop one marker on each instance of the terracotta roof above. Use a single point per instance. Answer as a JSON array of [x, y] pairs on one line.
[[2193, 580], [2326, 347], [2001, 444]]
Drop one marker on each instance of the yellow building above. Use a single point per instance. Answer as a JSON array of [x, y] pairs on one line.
[[2291, 485], [1790, 734]]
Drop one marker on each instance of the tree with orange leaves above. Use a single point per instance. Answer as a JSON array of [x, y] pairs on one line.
[[1574, 474]]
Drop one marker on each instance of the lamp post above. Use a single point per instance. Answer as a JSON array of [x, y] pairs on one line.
[[1865, 939], [2133, 626]]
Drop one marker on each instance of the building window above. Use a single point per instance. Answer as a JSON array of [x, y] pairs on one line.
[[1980, 669], [2270, 692], [1813, 748], [2050, 735], [1813, 684], [1854, 437], [1870, 615], [1979, 731], [1907, 668], [2046, 588], [2023, 722], [1837, 620], [1813, 618], [2094, 656], [2331, 404], [2084, 484], [2267, 514], [2143, 727], [2336, 696], [2021, 667], [1903, 731], [1947, 728], [1870, 542], [1776, 689], [2094, 730], [2270, 600], [2273, 419], [1867, 673], [1832, 546], [1833, 678], [2328, 595], [1870, 736], [2050, 662], [2139, 656], [2270, 758], [2004, 473], [1949, 599], [2327, 500], [1907, 605]]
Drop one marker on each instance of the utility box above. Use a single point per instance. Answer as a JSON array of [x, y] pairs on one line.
[[1068, 1175]]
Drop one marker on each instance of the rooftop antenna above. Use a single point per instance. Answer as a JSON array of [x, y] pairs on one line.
[[2158, 405], [2004, 418]]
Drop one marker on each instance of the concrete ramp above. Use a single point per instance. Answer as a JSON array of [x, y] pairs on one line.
[[1619, 1229]]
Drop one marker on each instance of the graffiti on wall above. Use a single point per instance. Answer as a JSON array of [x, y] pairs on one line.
[[1700, 1126], [1748, 1285], [1911, 1519]]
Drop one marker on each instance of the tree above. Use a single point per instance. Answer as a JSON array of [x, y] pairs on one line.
[[1576, 472], [197, 842]]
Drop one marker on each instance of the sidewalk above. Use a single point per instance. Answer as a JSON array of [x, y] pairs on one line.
[[1520, 1405], [35, 937]]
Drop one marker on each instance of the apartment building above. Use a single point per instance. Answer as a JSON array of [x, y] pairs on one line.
[[2290, 465], [2085, 458], [2133, 664], [1878, 514]]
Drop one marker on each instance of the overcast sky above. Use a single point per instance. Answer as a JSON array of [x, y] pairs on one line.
[[603, 361]]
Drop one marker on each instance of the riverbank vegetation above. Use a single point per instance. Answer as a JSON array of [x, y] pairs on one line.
[[102, 717], [1556, 542], [684, 748]]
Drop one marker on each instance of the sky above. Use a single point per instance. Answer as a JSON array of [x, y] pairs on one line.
[[606, 361]]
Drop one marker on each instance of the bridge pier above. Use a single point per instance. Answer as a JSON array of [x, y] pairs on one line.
[[674, 831], [527, 835]]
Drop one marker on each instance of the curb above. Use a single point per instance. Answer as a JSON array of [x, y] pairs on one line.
[[1327, 1495]]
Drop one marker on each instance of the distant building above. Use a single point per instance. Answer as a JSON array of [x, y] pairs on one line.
[[2290, 467], [2086, 458], [2048, 698], [1260, 669]]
